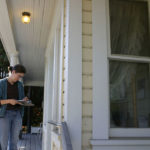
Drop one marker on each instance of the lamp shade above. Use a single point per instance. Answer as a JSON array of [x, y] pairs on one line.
[[26, 17]]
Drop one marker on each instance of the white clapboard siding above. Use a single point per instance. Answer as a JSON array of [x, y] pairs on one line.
[[86, 74]]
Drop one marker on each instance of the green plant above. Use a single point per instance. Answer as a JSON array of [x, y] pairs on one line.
[[37, 116]]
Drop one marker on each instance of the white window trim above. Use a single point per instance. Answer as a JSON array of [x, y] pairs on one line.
[[101, 54], [100, 71], [129, 132], [129, 58]]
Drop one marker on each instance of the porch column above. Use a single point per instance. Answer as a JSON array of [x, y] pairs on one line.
[[73, 87], [46, 140], [14, 59]]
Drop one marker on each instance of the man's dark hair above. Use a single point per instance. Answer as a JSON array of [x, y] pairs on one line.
[[18, 68]]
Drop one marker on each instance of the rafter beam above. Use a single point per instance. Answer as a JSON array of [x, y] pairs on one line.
[[6, 34]]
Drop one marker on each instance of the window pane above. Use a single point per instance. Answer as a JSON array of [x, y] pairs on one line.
[[129, 27], [129, 94]]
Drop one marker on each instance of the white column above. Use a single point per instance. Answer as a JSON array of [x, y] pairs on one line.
[[14, 59], [46, 143], [73, 70], [55, 77], [48, 92]]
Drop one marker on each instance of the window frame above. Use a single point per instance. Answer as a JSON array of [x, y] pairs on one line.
[[102, 55], [127, 132]]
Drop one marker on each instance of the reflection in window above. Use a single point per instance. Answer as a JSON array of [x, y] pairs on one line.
[[129, 27], [130, 94]]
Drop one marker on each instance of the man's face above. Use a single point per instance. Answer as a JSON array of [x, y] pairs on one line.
[[17, 76]]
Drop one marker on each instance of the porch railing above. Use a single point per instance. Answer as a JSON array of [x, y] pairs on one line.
[[3, 72], [65, 136]]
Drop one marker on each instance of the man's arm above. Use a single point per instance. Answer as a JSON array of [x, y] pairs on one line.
[[9, 101]]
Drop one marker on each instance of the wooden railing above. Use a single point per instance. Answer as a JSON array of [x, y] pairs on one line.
[[3, 72], [64, 134]]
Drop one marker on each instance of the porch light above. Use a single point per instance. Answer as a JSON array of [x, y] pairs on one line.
[[26, 17]]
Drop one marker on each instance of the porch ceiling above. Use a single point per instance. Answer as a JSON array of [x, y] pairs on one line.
[[31, 39]]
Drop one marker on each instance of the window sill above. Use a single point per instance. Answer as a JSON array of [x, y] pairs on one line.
[[122, 142]]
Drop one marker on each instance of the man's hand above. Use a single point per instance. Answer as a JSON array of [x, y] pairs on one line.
[[25, 98], [13, 102]]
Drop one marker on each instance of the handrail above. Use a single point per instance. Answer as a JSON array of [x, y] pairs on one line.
[[66, 141], [54, 123]]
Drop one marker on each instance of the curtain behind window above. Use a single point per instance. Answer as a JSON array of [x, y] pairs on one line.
[[129, 27], [129, 36]]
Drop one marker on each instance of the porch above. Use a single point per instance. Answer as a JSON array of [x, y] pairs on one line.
[[30, 142], [43, 48]]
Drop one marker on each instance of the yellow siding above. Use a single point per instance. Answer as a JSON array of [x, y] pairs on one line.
[[86, 74]]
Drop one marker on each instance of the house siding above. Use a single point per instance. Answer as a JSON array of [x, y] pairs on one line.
[[86, 74]]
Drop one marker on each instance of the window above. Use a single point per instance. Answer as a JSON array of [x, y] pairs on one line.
[[129, 94], [129, 64], [129, 27], [120, 108]]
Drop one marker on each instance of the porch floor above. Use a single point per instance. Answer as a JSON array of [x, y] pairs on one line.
[[30, 142]]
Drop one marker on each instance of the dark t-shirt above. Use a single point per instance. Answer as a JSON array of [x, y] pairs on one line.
[[12, 93]]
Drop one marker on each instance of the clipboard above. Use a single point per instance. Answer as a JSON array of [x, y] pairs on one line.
[[26, 103]]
